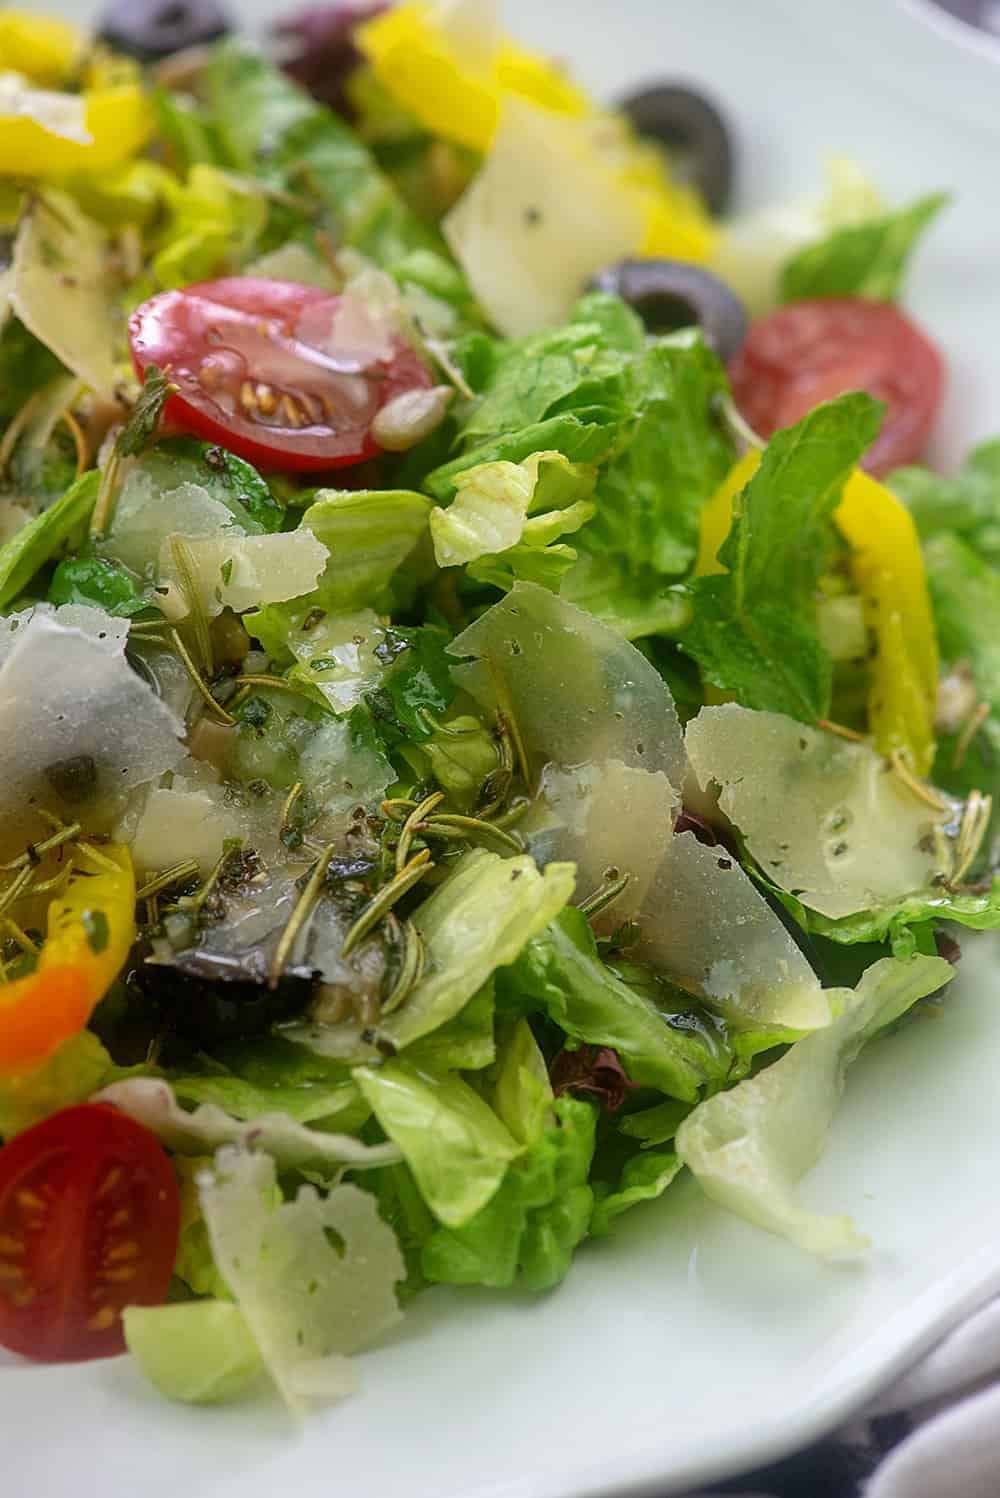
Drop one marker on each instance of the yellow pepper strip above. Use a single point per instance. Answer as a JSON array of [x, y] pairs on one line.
[[39, 47], [716, 518], [118, 120], [454, 96], [91, 927], [888, 571], [456, 90]]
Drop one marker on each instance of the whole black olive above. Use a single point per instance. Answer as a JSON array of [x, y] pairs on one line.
[[152, 29], [206, 997], [672, 294], [695, 134]]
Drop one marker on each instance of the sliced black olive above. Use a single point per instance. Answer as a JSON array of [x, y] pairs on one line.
[[151, 29], [672, 294], [695, 134], [74, 779], [206, 997]]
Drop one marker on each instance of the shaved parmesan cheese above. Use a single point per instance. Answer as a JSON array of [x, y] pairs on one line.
[[102, 628], [152, 1103], [63, 291], [576, 691], [307, 1302], [178, 825], [824, 817], [244, 572], [342, 772], [337, 656], [540, 218], [704, 925], [145, 517], [294, 261], [64, 696], [604, 742]]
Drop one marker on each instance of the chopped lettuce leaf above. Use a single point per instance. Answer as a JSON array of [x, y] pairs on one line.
[[892, 921], [652, 492], [656, 1125], [153, 1103], [307, 1303], [455, 1145], [754, 629], [965, 592], [966, 504], [490, 511], [202, 1352], [748, 1147], [45, 537], [644, 1178], [522, 1092], [526, 1235], [819, 813], [477, 920], [867, 259], [368, 535], [560, 972], [213, 222], [335, 1106], [583, 439], [71, 1075], [463, 1043], [230, 480], [271, 130]]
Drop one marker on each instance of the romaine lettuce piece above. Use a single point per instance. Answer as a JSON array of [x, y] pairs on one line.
[[71, 1075], [45, 537], [489, 514], [644, 1178], [522, 1092], [894, 921], [307, 1303], [202, 1352], [966, 504], [749, 1147], [527, 1233], [455, 1145], [754, 629], [560, 972]]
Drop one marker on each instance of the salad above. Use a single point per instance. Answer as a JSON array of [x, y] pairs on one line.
[[494, 713]]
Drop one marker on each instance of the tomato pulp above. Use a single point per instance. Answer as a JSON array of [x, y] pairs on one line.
[[287, 376], [89, 1222], [809, 352]]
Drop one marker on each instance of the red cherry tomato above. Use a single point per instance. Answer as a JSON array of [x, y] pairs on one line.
[[89, 1220], [810, 352], [259, 370]]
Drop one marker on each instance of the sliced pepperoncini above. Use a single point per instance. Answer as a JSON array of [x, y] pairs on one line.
[[91, 927], [42, 140]]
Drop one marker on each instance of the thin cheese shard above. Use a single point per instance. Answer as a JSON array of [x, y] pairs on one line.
[[823, 816], [66, 697]]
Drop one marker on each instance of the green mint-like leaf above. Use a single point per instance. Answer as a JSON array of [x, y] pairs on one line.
[[867, 259]]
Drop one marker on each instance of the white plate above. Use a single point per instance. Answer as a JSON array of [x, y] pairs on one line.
[[688, 1346]]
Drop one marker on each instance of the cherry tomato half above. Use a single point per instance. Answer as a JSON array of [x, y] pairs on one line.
[[259, 370], [810, 352], [89, 1221]]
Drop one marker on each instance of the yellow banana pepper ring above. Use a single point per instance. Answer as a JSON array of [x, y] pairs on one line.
[[91, 927], [117, 119], [39, 47], [888, 570]]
